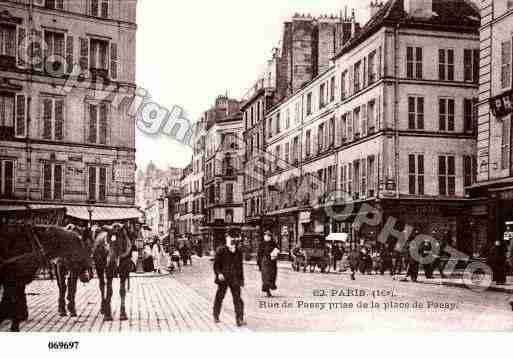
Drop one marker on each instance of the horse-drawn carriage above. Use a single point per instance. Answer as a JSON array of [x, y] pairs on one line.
[[312, 252]]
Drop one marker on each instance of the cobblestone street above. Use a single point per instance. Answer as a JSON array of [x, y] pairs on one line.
[[182, 302]]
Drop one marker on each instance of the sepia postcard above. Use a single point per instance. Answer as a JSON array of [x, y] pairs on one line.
[[289, 166]]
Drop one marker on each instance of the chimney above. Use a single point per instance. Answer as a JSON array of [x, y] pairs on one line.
[[353, 23], [418, 8], [374, 7]]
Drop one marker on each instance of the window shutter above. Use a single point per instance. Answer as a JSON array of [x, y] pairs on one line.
[[102, 184], [105, 9], [21, 48], [92, 183], [36, 55], [84, 53], [9, 178], [364, 120], [104, 112], [47, 181], [59, 120], [113, 60], [93, 116], [380, 57], [69, 54], [47, 119], [60, 4], [57, 181], [21, 115]]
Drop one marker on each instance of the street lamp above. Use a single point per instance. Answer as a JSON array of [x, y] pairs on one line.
[[90, 210]]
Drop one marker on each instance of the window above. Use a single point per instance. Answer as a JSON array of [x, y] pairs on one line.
[[7, 40], [343, 83], [415, 113], [295, 149], [308, 143], [54, 4], [371, 120], [350, 179], [343, 178], [356, 122], [309, 104], [372, 67], [446, 175], [99, 54], [287, 118], [97, 183], [52, 181], [320, 137], [277, 158], [446, 114], [356, 177], [414, 62], [100, 8], [343, 127], [6, 115], [469, 170], [469, 114], [98, 121], [357, 68], [506, 64], [6, 178], [229, 193], [322, 96], [331, 132], [349, 126], [471, 65], [446, 64], [53, 118], [278, 129], [332, 89], [506, 140], [371, 181], [270, 128], [298, 112], [287, 152], [416, 174], [363, 189]]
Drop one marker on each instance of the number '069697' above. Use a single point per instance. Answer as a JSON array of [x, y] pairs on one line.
[[62, 345]]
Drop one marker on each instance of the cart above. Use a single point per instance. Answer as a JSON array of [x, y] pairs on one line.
[[312, 253]]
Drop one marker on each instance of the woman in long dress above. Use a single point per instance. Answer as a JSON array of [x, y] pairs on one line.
[[267, 262]]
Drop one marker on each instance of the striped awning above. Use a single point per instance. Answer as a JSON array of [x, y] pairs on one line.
[[99, 213]]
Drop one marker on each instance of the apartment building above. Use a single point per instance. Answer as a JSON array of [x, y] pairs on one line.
[[391, 125], [67, 72]]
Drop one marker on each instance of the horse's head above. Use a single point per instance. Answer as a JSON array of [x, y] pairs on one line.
[[69, 245], [116, 242]]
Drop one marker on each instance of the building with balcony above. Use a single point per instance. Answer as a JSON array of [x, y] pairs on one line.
[[67, 72], [363, 134]]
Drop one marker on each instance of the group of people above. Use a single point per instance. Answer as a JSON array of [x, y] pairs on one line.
[[156, 259], [229, 272]]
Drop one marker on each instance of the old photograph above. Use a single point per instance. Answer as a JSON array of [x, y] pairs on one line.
[[255, 166]]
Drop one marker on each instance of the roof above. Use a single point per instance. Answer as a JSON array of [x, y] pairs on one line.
[[447, 15]]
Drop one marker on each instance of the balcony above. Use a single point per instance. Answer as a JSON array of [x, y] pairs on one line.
[[99, 74]]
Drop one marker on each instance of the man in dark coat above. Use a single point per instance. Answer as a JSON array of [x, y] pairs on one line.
[[267, 264], [337, 252], [497, 260], [229, 273]]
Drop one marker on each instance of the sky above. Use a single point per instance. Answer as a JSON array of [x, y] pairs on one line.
[[189, 52]]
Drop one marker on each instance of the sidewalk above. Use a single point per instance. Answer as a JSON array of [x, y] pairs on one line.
[[456, 280]]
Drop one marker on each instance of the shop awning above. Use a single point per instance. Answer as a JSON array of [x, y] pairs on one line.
[[12, 208], [337, 237], [98, 213]]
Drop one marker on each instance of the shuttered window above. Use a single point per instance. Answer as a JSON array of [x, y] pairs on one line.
[[6, 178], [97, 183], [98, 123]]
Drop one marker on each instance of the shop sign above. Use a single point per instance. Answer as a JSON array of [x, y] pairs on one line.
[[501, 105]]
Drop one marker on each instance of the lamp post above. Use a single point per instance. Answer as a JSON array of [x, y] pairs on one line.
[[90, 210]]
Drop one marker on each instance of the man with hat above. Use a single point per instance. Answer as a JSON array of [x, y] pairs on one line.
[[229, 273]]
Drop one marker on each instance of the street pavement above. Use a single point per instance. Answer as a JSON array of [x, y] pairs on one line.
[[182, 302]]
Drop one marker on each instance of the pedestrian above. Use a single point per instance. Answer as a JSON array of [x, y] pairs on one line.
[[425, 250], [497, 260], [155, 253], [267, 263], [354, 259], [413, 264], [439, 254], [229, 273], [175, 258], [337, 252]]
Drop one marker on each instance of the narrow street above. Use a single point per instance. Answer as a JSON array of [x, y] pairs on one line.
[[313, 301]]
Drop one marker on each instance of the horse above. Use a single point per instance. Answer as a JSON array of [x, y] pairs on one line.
[[112, 249], [67, 276], [25, 249]]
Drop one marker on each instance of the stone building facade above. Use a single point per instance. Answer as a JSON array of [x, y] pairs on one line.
[[67, 79], [391, 125], [491, 215]]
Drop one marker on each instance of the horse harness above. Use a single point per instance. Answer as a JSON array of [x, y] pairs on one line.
[[37, 250]]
